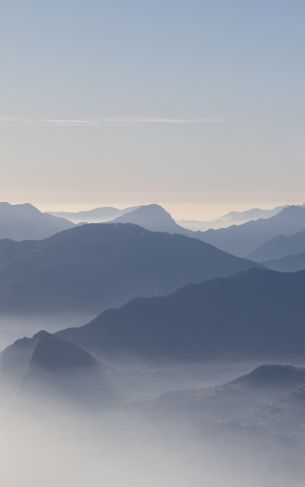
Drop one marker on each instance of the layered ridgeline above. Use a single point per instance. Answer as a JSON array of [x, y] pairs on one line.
[[25, 222], [45, 367], [280, 246], [97, 215], [107, 213], [232, 218], [237, 239], [257, 313], [244, 239], [96, 266], [249, 238]]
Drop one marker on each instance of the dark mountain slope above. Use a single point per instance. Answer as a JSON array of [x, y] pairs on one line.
[[47, 368], [255, 313], [96, 266]]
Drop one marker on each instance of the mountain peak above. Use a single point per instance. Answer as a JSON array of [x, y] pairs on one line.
[[151, 217], [51, 353]]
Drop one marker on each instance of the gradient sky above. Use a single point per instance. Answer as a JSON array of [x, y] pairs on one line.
[[198, 105]]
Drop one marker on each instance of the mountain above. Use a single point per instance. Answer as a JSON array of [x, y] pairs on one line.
[[25, 222], [96, 266], [256, 313], [243, 239], [266, 403], [46, 367], [271, 377], [153, 217], [289, 263], [232, 218], [97, 215], [265, 383], [280, 246]]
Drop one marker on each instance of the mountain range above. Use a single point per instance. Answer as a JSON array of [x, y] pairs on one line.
[[232, 218], [97, 215], [105, 213], [92, 267], [244, 239], [261, 239]]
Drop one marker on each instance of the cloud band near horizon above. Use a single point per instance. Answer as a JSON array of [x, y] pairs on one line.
[[119, 121]]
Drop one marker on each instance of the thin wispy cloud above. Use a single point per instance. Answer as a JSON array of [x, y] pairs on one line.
[[119, 121]]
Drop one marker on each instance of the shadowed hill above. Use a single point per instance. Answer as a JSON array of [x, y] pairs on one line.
[[97, 266], [45, 368], [255, 313]]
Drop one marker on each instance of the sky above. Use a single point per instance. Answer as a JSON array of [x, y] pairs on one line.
[[197, 105]]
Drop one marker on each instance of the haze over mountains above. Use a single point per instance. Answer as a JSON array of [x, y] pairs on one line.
[[104, 213], [97, 215], [232, 218], [257, 313], [45, 365], [25, 222], [189, 315], [260, 239], [155, 218], [244, 239], [95, 266], [280, 246]]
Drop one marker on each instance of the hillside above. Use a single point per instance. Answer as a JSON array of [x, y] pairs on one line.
[[256, 313], [96, 266]]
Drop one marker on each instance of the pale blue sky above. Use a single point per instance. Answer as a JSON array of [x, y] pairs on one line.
[[198, 105]]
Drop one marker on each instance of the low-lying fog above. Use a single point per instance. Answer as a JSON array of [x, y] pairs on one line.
[[119, 450], [138, 442]]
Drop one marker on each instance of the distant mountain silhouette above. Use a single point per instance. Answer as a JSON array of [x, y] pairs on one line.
[[97, 215], [153, 217], [243, 239], [25, 222], [255, 313], [50, 368], [280, 246], [96, 266], [289, 263], [232, 218]]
